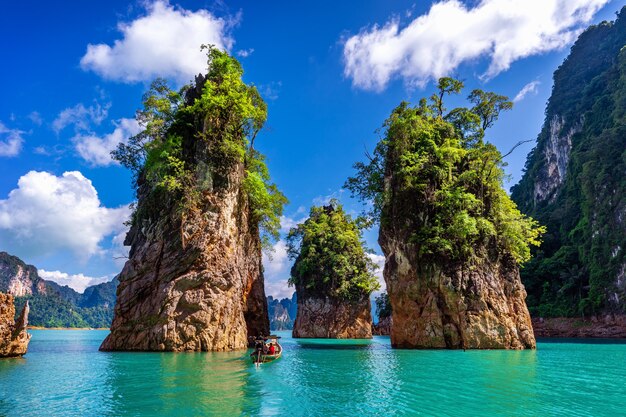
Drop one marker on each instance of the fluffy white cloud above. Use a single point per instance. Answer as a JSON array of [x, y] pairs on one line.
[[530, 88], [10, 141], [279, 289], [276, 271], [379, 260], [436, 43], [47, 214], [81, 117], [97, 150], [76, 281], [165, 42]]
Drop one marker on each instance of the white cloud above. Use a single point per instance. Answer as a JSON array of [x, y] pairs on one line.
[[451, 33], [279, 289], [270, 91], [165, 42], [35, 117], [47, 214], [379, 260], [530, 88], [276, 271], [76, 281], [97, 150], [322, 200], [10, 141], [278, 261], [244, 53], [81, 117]]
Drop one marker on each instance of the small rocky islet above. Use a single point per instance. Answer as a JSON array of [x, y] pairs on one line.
[[14, 336]]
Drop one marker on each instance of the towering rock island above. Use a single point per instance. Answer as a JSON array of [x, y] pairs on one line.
[[452, 238], [333, 276], [575, 184], [13, 335], [194, 278]]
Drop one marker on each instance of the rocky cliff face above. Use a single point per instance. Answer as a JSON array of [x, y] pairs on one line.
[[333, 319], [574, 182], [193, 284], [280, 313], [13, 335], [479, 308], [19, 279], [556, 154], [383, 327]]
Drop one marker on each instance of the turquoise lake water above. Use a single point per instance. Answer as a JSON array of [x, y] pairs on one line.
[[63, 374]]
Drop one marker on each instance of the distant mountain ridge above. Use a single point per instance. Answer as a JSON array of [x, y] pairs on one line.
[[54, 305], [282, 312]]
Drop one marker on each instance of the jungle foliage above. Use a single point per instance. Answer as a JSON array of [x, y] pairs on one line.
[[383, 306], [574, 272], [433, 174], [330, 256], [223, 115]]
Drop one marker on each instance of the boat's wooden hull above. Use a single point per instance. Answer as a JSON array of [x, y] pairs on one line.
[[264, 358]]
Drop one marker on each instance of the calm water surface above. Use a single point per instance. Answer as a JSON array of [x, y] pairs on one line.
[[63, 374]]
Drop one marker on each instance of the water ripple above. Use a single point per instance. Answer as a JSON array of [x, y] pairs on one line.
[[65, 375]]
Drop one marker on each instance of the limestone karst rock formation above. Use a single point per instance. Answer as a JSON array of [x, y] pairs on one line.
[[333, 276], [479, 308], [194, 282], [14, 337], [333, 319], [452, 238]]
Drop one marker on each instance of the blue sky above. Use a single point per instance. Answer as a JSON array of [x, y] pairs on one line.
[[73, 74]]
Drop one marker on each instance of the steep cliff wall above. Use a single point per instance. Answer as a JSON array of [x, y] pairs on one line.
[[13, 335], [333, 319], [19, 279], [193, 296], [281, 313], [194, 279], [574, 182], [477, 307]]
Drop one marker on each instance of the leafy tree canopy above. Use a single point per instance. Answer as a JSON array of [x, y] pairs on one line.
[[331, 259], [383, 306], [227, 115], [434, 170]]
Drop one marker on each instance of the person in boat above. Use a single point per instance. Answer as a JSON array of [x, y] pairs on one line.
[[259, 346], [272, 349]]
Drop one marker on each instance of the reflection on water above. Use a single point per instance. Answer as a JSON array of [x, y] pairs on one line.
[[65, 375]]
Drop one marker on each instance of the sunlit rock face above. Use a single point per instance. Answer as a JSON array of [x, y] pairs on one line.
[[19, 279], [333, 319], [556, 154], [435, 307], [13, 335], [194, 284]]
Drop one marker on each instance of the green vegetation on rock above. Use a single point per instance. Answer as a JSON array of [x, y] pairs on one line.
[[445, 180], [221, 111], [330, 258], [383, 306], [579, 269]]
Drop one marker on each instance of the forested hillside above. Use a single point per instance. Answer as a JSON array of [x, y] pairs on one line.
[[575, 182]]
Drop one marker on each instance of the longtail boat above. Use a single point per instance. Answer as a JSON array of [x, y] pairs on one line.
[[262, 347]]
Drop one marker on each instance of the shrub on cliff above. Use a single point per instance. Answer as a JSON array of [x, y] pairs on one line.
[[331, 260], [433, 175], [227, 115]]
